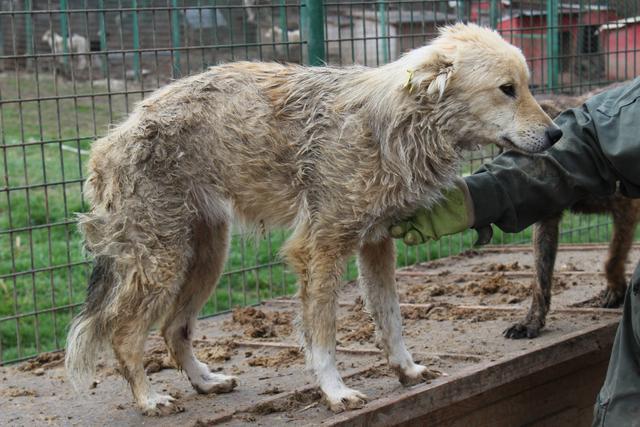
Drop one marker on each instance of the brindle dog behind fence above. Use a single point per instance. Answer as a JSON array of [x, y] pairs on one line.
[[625, 213]]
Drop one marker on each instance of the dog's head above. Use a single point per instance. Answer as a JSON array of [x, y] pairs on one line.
[[483, 82]]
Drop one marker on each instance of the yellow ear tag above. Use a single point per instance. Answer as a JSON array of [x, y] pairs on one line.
[[408, 84]]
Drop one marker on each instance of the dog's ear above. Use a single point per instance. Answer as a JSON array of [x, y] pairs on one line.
[[433, 75], [440, 74]]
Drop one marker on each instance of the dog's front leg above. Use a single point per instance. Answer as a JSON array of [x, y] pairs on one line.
[[376, 266], [320, 272], [319, 302]]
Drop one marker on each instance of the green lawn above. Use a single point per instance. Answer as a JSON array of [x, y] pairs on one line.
[[42, 266]]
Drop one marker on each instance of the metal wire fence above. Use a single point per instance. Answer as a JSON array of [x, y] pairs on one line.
[[70, 68]]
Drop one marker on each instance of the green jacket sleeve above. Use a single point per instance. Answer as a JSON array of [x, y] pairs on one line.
[[599, 152]]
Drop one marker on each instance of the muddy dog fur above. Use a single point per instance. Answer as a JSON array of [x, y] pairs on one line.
[[336, 154], [625, 213]]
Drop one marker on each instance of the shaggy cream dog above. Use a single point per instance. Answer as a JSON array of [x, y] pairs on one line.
[[335, 154]]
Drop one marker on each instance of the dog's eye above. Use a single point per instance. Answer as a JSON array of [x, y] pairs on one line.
[[508, 90]]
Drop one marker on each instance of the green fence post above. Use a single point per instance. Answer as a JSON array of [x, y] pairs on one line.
[[136, 39], [315, 32], [175, 37], [1, 38], [214, 28], [64, 30], [461, 10], [283, 23], [303, 29], [494, 13], [28, 29], [383, 33], [553, 68], [103, 37]]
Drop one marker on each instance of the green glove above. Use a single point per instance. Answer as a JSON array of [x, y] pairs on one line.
[[453, 214]]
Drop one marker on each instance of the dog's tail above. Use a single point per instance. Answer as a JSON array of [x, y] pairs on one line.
[[88, 333]]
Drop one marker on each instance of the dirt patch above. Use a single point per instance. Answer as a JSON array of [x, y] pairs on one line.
[[362, 334], [451, 312], [420, 293], [18, 392], [427, 265], [469, 253], [286, 403], [284, 357], [597, 301], [215, 421], [157, 357], [498, 284], [216, 352], [374, 372], [594, 302], [496, 266], [569, 266], [444, 311], [271, 391], [43, 361], [259, 324], [416, 313], [357, 325], [474, 316], [438, 290], [559, 285]]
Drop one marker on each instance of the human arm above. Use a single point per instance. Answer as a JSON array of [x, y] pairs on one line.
[[599, 151]]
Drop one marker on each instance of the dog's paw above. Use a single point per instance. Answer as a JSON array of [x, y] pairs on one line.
[[415, 374], [612, 299], [521, 330], [345, 399], [214, 383], [160, 405]]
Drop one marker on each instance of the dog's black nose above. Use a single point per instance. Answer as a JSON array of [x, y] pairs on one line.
[[553, 134]]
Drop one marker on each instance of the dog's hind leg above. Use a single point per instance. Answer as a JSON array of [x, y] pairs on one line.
[[319, 267], [376, 266], [145, 293], [210, 251]]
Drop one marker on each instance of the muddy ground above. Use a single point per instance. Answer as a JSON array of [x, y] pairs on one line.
[[454, 311]]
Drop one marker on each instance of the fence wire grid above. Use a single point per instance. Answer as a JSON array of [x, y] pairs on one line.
[[70, 68]]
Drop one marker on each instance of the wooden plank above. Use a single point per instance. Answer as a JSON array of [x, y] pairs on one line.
[[539, 399], [442, 392]]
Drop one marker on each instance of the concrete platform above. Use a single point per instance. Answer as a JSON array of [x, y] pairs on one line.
[[454, 310]]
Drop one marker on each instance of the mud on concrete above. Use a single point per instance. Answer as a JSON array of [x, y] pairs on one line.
[[450, 324]]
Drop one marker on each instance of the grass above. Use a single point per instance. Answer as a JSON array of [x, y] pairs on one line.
[[42, 267], [43, 271]]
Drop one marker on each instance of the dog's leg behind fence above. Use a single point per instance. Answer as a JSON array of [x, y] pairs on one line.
[[545, 246], [625, 218]]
